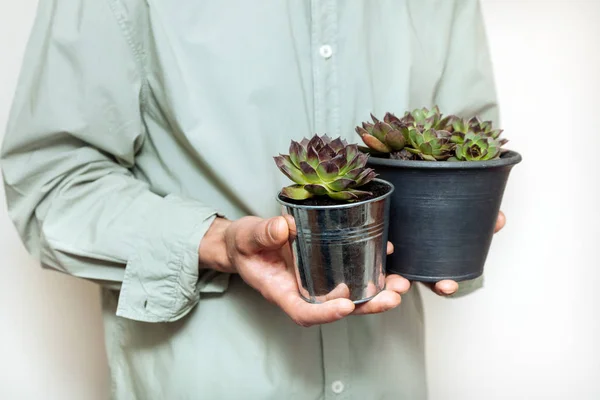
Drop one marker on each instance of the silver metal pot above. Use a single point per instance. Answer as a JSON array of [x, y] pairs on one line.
[[340, 250]]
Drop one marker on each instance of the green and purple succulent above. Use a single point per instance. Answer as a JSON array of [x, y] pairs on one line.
[[323, 166], [424, 134]]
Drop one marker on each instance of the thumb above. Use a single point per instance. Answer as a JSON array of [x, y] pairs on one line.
[[269, 234]]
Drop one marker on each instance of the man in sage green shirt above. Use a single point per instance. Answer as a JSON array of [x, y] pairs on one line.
[[138, 156]]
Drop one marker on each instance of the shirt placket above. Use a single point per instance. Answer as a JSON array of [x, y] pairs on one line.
[[324, 34]]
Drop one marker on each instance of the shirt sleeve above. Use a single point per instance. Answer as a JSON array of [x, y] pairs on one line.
[[467, 85], [67, 160]]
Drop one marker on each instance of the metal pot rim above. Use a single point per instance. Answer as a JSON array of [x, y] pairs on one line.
[[341, 206], [510, 158]]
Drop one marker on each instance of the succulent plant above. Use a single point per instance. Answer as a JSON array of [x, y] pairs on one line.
[[430, 145], [424, 118], [477, 147], [381, 136], [460, 127], [325, 167], [431, 136]]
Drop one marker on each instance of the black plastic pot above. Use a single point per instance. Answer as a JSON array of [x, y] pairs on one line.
[[443, 214]]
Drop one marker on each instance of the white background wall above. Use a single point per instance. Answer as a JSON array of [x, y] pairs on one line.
[[532, 333]]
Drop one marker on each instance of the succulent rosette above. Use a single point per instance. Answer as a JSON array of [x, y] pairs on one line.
[[323, 166], [424, 134]]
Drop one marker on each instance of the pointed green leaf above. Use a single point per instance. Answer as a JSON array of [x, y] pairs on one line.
[[375, 144], [395, 140], [426, 148], [351, 151], [457, 137], [427, 157], [342, 196], [378, 130], [353, 174], [340, 184], [296, 192]]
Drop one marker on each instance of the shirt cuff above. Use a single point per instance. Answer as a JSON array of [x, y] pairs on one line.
[[162, 282]]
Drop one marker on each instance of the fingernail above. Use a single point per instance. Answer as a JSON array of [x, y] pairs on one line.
[[448, 288], [273, 229], [346, 307]]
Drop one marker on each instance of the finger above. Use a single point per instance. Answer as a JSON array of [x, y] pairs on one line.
[[341, 291], [258, 234], [390, 248], [500, 222], [397, 284], [384, 301], [291, 225], [307, 314], [445, 287]]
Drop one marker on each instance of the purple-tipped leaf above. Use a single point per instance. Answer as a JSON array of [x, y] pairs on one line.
[[360, 161], [326, 139], [365, 177], [309, 172], [392, 119], [351, 194], [327, 171], [297, 153], [368, 127], [339, 160], [326, 153], [285, 165], [337, 144], [316, 143], [317, 190], [312, 157], [340, 184]]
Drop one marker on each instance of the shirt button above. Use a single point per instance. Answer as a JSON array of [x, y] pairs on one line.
[[337, 387], [325, 51]]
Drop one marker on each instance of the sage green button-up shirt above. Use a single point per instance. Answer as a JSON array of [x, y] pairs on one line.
[[136, 122]]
